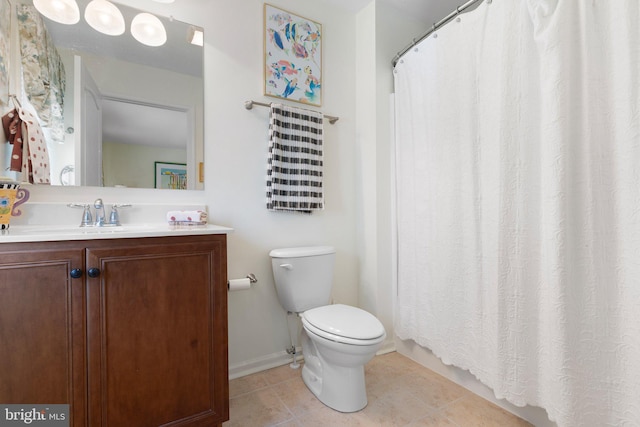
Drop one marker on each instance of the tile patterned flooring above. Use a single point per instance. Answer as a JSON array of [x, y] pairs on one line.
[[400, 393]]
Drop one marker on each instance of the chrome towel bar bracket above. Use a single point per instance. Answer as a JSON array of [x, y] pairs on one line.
[[249, 105]]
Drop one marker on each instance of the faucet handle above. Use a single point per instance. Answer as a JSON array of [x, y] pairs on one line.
[[114, 217], [87, 220]]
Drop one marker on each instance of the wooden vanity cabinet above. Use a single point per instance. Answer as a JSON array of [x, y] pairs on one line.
[[42, 327], [149, 329]]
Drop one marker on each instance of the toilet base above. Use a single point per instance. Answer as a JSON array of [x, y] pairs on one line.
[[342, 390], [339, 387]]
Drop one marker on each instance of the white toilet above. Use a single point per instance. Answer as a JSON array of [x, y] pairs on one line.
[[338, 339]]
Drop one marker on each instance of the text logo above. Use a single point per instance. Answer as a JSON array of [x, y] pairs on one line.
[[34, 415]]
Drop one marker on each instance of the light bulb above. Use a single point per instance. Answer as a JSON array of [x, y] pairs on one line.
[[62, 11], [148, 30], [105, 17]]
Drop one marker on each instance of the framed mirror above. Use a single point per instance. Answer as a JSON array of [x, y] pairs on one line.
[[125, 105]]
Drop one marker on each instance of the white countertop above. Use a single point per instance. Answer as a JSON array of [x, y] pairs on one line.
[[43, 233]]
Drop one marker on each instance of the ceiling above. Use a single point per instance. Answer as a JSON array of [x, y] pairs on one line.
[[427, 11]]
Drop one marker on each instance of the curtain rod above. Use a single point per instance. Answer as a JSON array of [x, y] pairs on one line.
[[436, 27], [249, 105]]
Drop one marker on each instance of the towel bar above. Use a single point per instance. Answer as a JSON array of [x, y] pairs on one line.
[[249, 105]]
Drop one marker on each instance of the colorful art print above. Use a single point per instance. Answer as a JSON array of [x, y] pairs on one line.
[[171, 176], [292, 57], [5, 36]]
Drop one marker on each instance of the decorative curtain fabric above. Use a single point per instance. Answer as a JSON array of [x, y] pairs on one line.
[[42, 70], [518, 176], [5, 44]]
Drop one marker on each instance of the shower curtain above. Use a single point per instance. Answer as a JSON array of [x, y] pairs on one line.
[[518, 198]]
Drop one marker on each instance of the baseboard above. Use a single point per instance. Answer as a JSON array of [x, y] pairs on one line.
[[262, 363], [389, 346], [283, 358]]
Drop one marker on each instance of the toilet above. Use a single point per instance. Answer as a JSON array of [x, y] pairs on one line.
[[337, 339]]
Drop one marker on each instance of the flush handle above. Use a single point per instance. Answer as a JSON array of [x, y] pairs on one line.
[[286, 266]]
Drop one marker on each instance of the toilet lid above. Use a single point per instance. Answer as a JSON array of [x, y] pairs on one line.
[[345, 321]]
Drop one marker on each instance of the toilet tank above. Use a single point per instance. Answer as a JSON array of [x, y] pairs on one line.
[[303, 276]]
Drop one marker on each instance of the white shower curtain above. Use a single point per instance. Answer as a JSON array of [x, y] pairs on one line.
[[518, 176]]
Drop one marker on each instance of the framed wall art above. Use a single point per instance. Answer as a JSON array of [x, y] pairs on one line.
[[171, 175], [292, 57]]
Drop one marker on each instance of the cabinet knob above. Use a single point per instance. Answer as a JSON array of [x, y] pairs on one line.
[[93, 272], [76, 273]]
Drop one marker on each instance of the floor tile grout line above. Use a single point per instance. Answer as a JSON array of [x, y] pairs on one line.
[[293, 416], [260, 388]]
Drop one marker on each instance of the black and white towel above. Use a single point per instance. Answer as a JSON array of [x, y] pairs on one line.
[[294, 166]]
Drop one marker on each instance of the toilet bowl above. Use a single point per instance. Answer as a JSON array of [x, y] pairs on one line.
[[337, 339]]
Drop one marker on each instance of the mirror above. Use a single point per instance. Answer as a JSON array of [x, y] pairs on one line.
[[129, 109]]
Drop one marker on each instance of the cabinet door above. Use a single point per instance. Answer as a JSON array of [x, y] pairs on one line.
[[42, 329], [157, 332]]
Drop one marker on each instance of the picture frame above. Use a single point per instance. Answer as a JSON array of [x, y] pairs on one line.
[[292, 56], [171, 176]]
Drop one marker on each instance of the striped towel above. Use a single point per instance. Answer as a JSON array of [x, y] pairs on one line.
[[294, 167]]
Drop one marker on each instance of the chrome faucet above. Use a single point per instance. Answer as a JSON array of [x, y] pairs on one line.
[[100, 215]]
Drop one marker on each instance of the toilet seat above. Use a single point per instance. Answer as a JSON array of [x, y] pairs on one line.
[[341, 340], [345, 324]]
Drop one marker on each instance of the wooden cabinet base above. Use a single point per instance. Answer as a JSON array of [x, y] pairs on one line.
[[140, 341]]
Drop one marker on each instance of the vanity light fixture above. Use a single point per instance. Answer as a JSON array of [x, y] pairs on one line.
[[105, 17], [196, 36], [148, 30], [62, 11]]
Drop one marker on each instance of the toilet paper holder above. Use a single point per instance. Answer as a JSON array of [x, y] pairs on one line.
[[252, 278]]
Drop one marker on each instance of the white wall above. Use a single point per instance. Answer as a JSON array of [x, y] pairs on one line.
[[236, 161], [382, 32]]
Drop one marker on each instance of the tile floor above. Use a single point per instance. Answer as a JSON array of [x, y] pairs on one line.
[[400, 393]]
